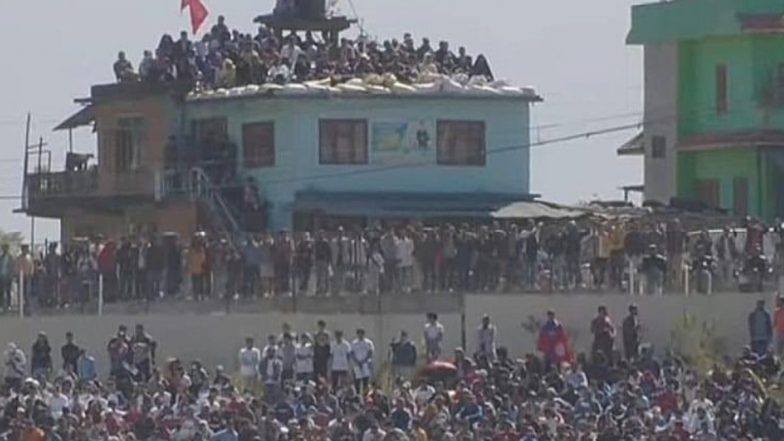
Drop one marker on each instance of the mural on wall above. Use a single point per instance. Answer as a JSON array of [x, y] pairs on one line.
[[403, 142]]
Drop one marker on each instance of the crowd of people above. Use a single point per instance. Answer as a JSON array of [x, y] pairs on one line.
[[323, 385], [225, 58], [603, 255]]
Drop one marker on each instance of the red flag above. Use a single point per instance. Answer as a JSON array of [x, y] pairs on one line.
[[199, 14]]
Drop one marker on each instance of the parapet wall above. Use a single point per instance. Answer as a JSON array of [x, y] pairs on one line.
[[208, 333]]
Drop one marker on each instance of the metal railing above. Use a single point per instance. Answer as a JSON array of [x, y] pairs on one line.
[[195, 184], [50, 184]]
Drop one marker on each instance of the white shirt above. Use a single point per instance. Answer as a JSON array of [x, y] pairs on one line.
[[304, 359], [434, 332], [57, 403], [340, 351], [249, 361], [362, 355], [405, 252], [15, 362], [291, 52]]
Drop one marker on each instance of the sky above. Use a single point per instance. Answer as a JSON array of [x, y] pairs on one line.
[[573, 53]]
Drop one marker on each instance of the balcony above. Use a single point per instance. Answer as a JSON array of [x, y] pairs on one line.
[[62, 184]]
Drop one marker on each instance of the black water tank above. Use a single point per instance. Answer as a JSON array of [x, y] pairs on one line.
[[312, 9]]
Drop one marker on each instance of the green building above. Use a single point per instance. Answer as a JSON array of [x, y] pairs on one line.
[[714, 102]]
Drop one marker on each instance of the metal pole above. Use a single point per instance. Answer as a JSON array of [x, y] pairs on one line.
[[21, 293], [100, 294], [70, 140], [631, 277], [25, 191]]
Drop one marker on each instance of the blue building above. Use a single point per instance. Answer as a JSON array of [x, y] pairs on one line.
[[327, 155]]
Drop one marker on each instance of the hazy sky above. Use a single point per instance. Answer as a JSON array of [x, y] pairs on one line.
[[572, 52]]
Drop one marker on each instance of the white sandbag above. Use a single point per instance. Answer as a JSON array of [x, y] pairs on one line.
[[251, 89], [499, 84], [427, 87], [402, 88], [461, 78], [355, 82], [294, 89], [477, 80], [270, 87], [352, 88], [236, 91], [451, 86], [511, 91], [374, 80], [317, 87], [220, 93], [483, 90], [528, 91], [378, 90]]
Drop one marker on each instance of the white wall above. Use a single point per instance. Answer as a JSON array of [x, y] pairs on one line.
[[661, 109]]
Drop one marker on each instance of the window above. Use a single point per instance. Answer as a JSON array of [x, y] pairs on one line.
[[461, 142], [721, 88], [740, 196], [780, 83], [258, 145], [209, 131], [708, 191], [128, 142], [658, 147], [343, 141]]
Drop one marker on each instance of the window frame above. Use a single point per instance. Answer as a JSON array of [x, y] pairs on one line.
[[135, 128], [259, 161], [658, 147], [360, 154], [443, 160]]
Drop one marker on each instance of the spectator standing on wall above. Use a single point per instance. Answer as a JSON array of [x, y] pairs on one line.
[[603, 332], [41, 358], [15, 366], [70, 353], [486, 340], [760, 329], [434, 337], [631, 334], [340, 360], [249, 358], [404, 357], [143, 348], [362, 349]]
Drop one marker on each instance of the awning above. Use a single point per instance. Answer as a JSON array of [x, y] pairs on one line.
[[633, 146], [85, 116], [429, 206]]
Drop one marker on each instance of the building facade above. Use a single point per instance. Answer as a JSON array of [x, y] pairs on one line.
[[714, 102], [314, 158]]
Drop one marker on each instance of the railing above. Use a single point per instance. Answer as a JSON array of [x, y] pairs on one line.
[[196, 185], [55, 184]]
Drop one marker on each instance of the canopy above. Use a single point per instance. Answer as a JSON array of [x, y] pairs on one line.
[[430, 205], [85, 116]]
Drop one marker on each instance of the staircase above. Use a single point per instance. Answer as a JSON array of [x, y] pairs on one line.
[[198, 187]]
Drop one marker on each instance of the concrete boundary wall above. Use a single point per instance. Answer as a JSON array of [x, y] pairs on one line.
[[214, 338], [728, 313]]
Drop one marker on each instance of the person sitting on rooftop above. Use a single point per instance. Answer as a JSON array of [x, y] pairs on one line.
[[220, 31], [280, 73], [123, 69], [227, 77]]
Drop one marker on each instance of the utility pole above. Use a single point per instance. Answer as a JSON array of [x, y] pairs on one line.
[[25, 190]]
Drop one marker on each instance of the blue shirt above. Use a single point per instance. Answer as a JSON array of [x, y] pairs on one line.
[[85, 368], [225, 435]]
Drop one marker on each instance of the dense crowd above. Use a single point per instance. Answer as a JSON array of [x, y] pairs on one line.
[[324, 386], [606, 255], [225, 58]]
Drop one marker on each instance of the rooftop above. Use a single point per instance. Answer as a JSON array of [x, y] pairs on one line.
[[674, 20]]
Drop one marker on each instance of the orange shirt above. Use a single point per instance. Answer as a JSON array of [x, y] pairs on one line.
[[778, 320], [33, 434]]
